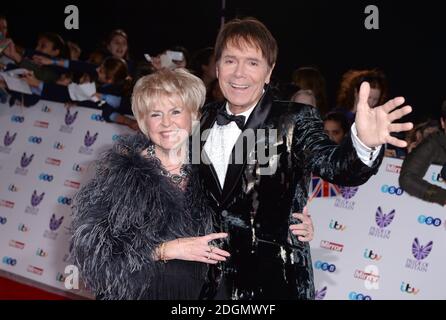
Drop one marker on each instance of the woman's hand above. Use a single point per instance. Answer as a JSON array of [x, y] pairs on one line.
[[304, 230], [195, 249]]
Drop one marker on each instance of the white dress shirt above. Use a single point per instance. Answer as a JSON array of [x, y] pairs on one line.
[[221, 141]]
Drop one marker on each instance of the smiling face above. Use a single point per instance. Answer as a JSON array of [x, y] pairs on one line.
[[242, 72], [168, 123], [118, 47]]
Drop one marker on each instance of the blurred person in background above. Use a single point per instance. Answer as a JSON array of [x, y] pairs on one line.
[[431, 150]]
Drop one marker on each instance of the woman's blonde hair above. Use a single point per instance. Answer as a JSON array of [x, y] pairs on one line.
[[178, 83]]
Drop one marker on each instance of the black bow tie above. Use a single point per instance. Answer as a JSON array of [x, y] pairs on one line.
[[223, 118]]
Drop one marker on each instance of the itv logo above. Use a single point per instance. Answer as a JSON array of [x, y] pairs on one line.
[[335, 225], [369, 254]]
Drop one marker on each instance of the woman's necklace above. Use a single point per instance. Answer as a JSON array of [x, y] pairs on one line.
[[175, 178]]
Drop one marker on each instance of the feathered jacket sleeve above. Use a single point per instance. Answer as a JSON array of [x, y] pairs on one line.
[[112, 242]]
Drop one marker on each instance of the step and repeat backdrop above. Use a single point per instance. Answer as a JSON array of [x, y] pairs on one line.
[[46, 155], [371, 242], [377, 242]]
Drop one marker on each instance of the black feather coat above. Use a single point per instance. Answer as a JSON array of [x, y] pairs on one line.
[[124, 213]]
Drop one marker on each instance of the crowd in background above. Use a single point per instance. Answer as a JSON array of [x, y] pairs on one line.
[[54, 64]]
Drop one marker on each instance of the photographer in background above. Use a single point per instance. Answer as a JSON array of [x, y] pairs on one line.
[[431, 150]]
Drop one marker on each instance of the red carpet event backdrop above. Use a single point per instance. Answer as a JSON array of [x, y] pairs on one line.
[[46, 154], [371, 242], [377, 242]]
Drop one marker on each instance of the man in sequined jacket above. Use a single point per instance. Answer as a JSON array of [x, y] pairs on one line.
[[255, 199]]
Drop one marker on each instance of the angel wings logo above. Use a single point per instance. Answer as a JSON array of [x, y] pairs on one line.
[[383, 220], [69, 120], [346, 201], [419, 252], [89, 140], [8, 139], [36, 199], [54, 225], [320, 294], [24, 163]]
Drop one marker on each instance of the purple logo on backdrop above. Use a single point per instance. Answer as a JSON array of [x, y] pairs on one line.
[[24, 162], [70, 118], [89, 140], [35, 199], [346, 201], [382, 219], [55, 223], [421, 252], [8, 139], [320, 295], [348, 192]]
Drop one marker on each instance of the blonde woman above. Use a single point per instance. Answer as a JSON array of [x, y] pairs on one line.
[[142, 229]]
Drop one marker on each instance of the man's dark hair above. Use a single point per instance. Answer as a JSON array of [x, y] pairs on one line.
[[249, 31], [340, 118], [57, 41]]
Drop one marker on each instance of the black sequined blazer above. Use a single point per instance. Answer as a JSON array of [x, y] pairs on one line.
[[254, 206]]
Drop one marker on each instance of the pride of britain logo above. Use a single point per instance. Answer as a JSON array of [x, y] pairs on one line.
[[24, 163], [419, 252], [69, 120], [320, 294], [8, 140], [54, 225], [36, 199], [383, 220], [346, 201], [89, 140]]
